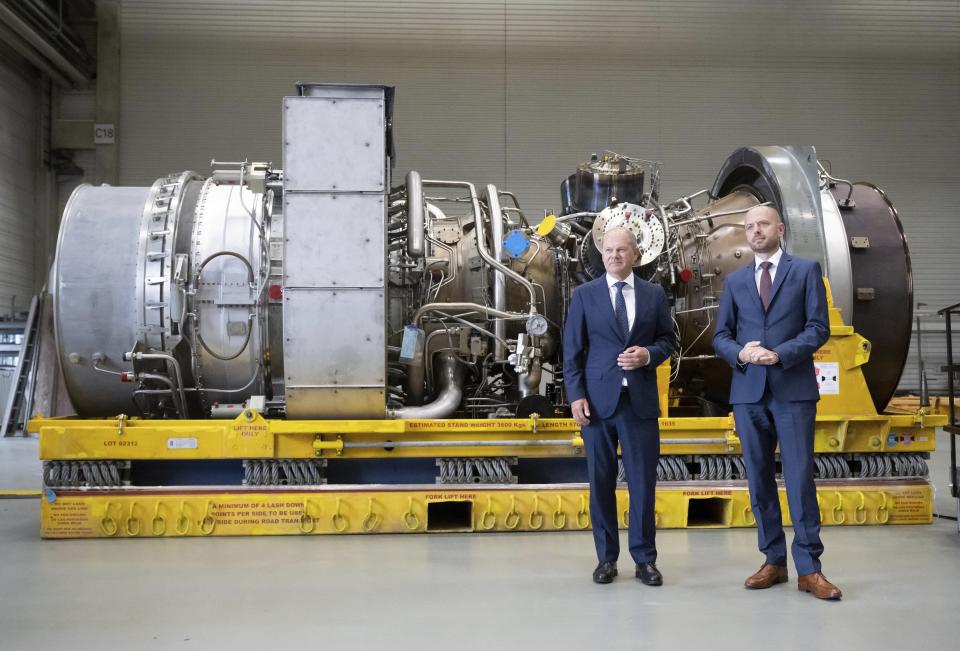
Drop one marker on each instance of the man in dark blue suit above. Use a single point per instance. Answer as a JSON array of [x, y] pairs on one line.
[[618, 331], [772, 318]]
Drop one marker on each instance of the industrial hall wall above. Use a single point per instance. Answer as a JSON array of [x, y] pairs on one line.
[[19, 163], [517, 93]]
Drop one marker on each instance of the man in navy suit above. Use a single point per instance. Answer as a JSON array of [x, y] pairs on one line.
[[772, 318], [618, 331]]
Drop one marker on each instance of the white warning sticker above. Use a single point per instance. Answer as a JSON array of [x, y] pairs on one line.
[[182, 443], [828, 377]]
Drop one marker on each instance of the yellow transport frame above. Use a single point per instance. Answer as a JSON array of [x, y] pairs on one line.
[[183, 511], [232, 511], [847, 422]]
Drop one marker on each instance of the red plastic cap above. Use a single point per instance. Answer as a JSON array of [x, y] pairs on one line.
[[275, 292], [125, 377], [686, 275]]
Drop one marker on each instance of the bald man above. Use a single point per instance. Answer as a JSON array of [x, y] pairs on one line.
[[618, 331], [772, 318]]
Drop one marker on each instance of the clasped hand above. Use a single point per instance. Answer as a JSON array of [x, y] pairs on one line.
[[633, 358], [754, 353]]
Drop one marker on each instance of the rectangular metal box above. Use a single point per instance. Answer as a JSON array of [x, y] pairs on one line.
[[337, 155]]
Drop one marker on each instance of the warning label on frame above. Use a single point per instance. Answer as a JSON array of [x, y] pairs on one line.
[[828, 377]]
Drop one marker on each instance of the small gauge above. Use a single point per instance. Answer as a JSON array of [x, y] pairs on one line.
[[537, 325]]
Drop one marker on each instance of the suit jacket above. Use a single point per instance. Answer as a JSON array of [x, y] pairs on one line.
[[794, 326], [592, 340]]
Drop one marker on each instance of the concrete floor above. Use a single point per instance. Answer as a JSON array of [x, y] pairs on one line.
[[20, 466], [503, 591]]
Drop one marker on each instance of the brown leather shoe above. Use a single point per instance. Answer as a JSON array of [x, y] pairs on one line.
[[767, 576], [817, 585]]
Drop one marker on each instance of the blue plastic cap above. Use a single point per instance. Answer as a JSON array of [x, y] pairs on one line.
[[516, 243]]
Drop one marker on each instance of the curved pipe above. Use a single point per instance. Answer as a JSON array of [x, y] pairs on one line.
[[415, 218], [452, 256], [436, 213], [470, 307], [499, 281], [232, 254], [516, 208], [252, 282], [243, 346], [480, 229], [529, 382], [415, 383], [181, 406], [176, 369], [450, 374]]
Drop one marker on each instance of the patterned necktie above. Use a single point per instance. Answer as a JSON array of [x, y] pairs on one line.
[[620, 311], [766, 283]]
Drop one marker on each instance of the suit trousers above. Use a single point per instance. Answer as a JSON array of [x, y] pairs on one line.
[[761, 426], [639, 440]]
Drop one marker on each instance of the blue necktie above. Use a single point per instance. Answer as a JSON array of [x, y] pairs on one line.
[[620, 311]]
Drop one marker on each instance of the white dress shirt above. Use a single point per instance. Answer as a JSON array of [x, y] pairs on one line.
[[774, 260], [629, 297]]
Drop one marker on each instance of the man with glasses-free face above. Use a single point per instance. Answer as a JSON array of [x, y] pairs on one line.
[[618, 330], [772, 318]]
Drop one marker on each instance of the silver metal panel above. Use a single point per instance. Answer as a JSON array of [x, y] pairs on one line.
[[334, 353], [795, 168], [337, 91], [334, 240], [334, 144], [234, 290], [336, 338], [224, 221], [334, 403], [335, 177], [95, 289], [838, 268]]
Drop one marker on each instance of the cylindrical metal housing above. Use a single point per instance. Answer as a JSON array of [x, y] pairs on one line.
[[227, 341], [177, 269], [881, 284], [95, 287], [860, 245], [597, 182]]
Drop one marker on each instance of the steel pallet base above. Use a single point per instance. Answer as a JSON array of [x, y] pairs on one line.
[[232, 511]]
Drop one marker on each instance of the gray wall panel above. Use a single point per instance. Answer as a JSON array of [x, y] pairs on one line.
[[518, 92], [19, 161]]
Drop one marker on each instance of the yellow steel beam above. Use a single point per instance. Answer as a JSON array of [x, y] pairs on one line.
[[419, 509], [252, 436], [847, 421]]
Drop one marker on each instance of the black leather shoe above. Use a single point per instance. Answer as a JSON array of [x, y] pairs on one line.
[[649, 574], [605, 573]]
